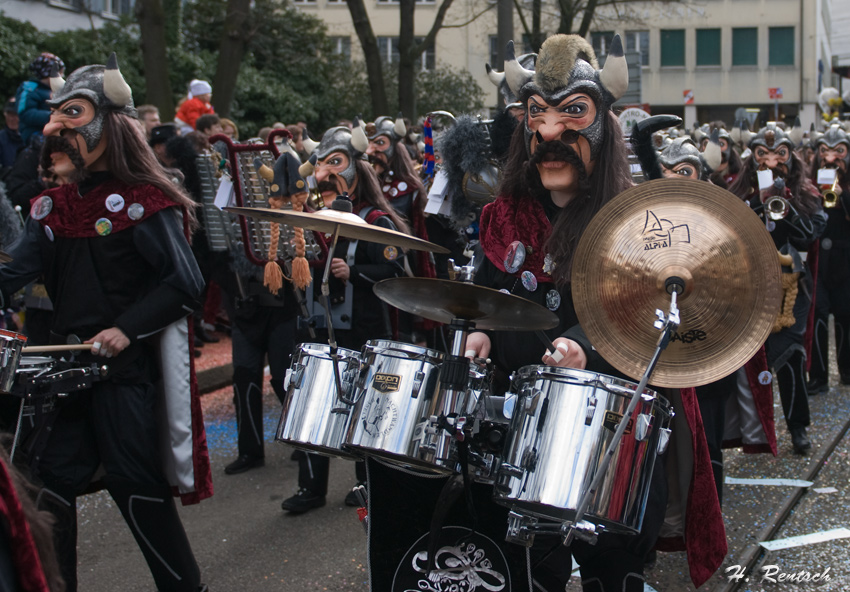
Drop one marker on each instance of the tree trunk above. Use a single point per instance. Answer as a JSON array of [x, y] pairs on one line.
[[536, 34], [231, 51], [567, 16], [151, 20], [407, 59], [371, 54], [587, 19]]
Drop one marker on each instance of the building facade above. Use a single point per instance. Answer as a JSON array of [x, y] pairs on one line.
[[64, 15]]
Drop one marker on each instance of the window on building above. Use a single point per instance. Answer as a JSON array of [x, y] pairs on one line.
[[781, 46], [342, 46], [601, 42], [389, 52], [708, 47], [494, 50], [116, 7], [745, 46], [396, 1], [638, 41], [304, 1], [672, 47]]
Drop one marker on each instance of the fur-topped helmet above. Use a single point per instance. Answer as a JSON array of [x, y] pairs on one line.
[[102, 86], [567, 65]]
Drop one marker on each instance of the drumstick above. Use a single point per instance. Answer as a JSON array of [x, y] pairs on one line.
[[37, 349], [546, 341]]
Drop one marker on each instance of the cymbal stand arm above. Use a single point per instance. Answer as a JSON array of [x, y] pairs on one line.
[[668, 325], [326, 291]]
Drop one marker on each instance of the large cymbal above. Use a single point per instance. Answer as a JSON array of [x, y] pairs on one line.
[[350, 226], [445, 300], [692, 230]]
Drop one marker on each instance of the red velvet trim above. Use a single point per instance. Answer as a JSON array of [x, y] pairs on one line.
[[24, 553], [762, 397], [705, 534], [73, 216], [513, 219]]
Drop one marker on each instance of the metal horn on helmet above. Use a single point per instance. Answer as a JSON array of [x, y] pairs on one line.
[[115, 87], [359, 141], [796, 132], [309, 145], [399, 128], [713, 154], [516, 75], [615, 73], [495, 76], [57, 83], [307, 169]]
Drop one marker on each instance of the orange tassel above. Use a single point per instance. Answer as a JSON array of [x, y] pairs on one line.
[[301, 275], [273, 274]]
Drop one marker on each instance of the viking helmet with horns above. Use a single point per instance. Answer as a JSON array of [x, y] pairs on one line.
[[567, 65], [834, 136], [102, 86], [340, 139], [385, 126]]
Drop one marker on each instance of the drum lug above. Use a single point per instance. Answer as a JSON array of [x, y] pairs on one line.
[[511, 470], [584, 530], [642, 425], [663, 439], [529, 460], [520, 529], [532, 395], [591, 410], [299, 376], [418, 379]]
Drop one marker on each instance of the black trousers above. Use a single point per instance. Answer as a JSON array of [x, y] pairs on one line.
[[830, 301], [265, 333], [115, 425], [712, 400]]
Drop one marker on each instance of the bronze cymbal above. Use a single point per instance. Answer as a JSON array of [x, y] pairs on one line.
[[692, 230], [445, 300], [5, 257], [350, 226]]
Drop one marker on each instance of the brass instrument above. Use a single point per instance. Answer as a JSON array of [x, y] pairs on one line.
[[830, 194], [776, 207]]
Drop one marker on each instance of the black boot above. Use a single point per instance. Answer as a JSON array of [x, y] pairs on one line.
[[150, 513], [62, 504]]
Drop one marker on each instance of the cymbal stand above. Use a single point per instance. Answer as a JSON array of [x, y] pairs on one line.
[[521, 528], [343, 205]]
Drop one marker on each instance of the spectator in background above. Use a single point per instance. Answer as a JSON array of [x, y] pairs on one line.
[[10, 137], [32, 95], [149, 116], [209, 125], [229, 129], [158, 137], [264, 132], [198, 104]]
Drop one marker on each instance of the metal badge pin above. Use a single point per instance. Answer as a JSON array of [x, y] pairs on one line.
[[402, 186], [529, 282], [114, 203], [385, 188], [49, 233], [826, 244], [548, 264], [41, 208], [514, 257], [103, 226], [553, 300], [136, 211], [393, 191]]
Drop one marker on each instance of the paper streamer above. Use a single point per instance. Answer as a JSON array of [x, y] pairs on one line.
[[780, 482], [806, 539]]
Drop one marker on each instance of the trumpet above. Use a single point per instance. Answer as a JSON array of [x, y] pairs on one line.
[[830, 194], [776, 208]]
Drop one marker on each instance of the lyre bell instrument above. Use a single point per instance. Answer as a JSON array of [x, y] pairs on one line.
[[252, 191], [830, 194], [677, 235]]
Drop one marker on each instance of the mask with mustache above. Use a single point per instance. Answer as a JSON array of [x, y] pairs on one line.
[[54, 144], [563, 151]]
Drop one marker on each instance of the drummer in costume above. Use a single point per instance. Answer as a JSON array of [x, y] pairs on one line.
[[775, 175], [341, 169], [832, 151], [566, 160], [112, 245]]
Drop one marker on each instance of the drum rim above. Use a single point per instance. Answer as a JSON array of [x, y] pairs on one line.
[[325, 349], [531, 369], [411, 348], [13, 335]]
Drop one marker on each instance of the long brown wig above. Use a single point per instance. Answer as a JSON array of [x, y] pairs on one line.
[[369, 190], [610, 177]]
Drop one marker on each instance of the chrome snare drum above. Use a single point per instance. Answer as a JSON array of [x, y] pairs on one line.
[[314, 418], [11, 344], [561, 426], [399, 397]]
